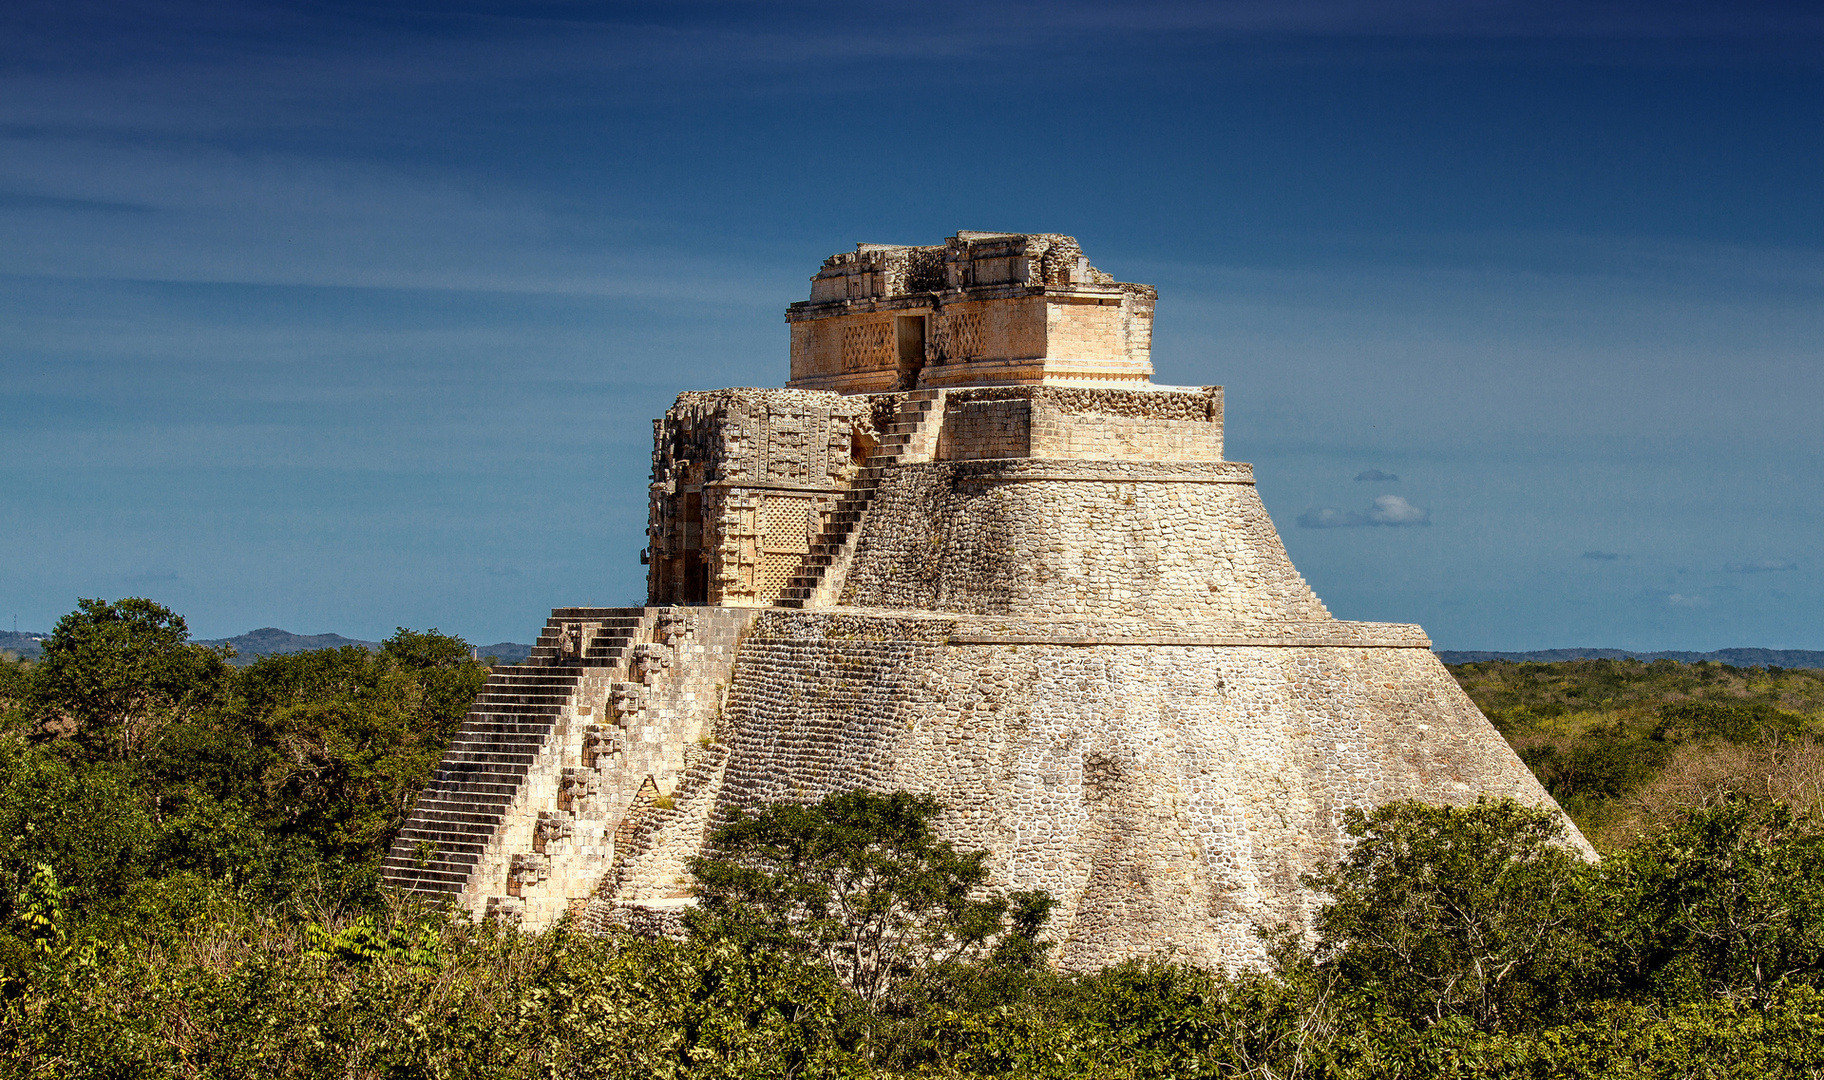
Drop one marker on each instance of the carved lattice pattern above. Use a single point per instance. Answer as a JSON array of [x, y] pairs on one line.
[[785, 525], [868, 346], [960, 335], [775, 569]]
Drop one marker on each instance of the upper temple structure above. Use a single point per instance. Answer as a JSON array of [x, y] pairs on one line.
[[971, 551], [985, 309]]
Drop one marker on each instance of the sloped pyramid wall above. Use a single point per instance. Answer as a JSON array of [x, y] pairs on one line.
[[1167, 784], [1054, 607]]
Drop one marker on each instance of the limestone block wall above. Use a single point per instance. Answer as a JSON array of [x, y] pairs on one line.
[[1096, 329], [1091, 538], [1128, 425], [1065, 424], [982, 425], [1168, 792]]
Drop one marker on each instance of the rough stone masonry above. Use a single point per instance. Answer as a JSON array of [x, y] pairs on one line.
[[973, 551]]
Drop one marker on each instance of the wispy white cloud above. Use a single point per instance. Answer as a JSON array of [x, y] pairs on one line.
[[1391, 510]]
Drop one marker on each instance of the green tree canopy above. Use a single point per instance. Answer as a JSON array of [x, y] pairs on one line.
[[861, 879], [1728, 902], [1439, 912], [118, 672]]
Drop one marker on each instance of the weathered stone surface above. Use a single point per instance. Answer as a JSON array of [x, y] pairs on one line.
[[1006, 576], [981, 308]]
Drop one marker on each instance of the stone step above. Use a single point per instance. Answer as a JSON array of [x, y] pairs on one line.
[[406, 889], [522, 711], [479, 797], [504, 741], [464, 779], [407, 852], [446, 812], [443, 878], [484, 817], [481, 729], [403, 880], [467, 784], [485, 731], [502, 732], [456, 845], [482, 799], [500, 759], [458, 832], [525, 712], [505, 735], [506, 721], [489, 742], [445, 847], [574, 614], [556, 633], [452, 874], [513, 707]]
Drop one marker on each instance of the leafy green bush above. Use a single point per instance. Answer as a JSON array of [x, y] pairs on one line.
[[1437, 912], [863, 882], [281, 779]]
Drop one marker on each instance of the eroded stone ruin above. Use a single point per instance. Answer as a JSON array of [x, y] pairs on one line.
[[971, 550]]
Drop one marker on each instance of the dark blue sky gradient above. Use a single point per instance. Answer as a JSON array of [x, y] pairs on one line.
[[344, 316]]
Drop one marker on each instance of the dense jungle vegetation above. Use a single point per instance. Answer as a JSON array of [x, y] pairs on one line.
[[1626, 746], [188, 888]]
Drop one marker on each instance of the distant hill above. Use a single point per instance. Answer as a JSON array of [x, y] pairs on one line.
[[1785, 658], [270, 641]]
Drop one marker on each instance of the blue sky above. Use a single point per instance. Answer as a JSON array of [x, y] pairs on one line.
[[338, 317]]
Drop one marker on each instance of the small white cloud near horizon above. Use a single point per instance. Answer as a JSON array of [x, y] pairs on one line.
[[1681, 600], [1391, 510]]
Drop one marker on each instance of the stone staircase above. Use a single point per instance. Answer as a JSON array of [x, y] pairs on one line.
[[494, 751], [911, 437]]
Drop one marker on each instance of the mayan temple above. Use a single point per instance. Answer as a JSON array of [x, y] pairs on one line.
[[970, 550]]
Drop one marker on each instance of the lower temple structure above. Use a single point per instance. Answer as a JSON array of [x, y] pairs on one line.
[[971, 551]]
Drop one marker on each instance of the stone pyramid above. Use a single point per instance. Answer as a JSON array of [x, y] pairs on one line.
[[973, 551]]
